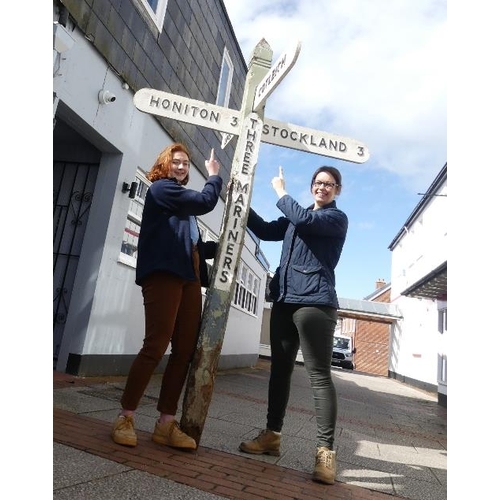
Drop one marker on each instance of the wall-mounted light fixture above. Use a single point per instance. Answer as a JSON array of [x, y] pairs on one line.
[[106, 97], [131, 188]]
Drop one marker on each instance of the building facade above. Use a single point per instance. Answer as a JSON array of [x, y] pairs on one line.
[[419, 290], [105, 51]]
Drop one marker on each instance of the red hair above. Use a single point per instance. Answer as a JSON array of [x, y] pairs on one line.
[[163, 164]]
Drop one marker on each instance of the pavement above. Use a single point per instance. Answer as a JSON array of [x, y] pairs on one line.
[[391, 442]]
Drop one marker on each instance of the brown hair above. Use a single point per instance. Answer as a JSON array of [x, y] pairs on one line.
[[333, 172], [163, 164]]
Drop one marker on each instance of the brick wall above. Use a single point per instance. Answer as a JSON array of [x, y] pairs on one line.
[[372, 347], [372, 342]]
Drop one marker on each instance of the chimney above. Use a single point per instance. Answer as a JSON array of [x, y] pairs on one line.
[[380, 283]]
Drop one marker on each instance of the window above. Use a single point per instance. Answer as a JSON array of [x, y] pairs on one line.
[[443, 320], [246, 290], [128, 252], [341, 343], [155, 10], [443, 369], [224, 90], [225, 80]]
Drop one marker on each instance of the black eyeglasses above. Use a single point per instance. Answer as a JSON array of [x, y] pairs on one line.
[[326, 185], [178, 162]]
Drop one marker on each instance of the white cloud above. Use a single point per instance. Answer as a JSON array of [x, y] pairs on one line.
[[373, 70]]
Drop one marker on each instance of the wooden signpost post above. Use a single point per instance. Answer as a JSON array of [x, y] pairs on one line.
[[251, 128]]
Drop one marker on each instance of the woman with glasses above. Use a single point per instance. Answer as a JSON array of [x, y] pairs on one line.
[[304, 310], [171, 270]]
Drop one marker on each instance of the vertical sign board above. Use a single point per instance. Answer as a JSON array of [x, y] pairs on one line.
[[220, 292], [238, 205]]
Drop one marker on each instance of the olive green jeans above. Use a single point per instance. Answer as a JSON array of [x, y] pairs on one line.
[[310, 327]]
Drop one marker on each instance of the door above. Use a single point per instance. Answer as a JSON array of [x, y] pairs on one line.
[[73, 186]]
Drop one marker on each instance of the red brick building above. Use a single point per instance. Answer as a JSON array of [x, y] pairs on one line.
[[369, 322]]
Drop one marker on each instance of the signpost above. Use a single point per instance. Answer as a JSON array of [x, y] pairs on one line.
[[314, 141], [228, 121], [269, 83], [274, 76], [187, 110], [251, 128]]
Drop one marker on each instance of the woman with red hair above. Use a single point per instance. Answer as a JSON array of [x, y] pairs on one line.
[[171, 270]]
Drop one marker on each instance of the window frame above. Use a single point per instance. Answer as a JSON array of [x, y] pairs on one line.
[[443, 320], [226, 62], [443, 369], [156, 15], [244, 298]]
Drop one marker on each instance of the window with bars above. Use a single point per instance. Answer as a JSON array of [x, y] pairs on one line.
[[246, 290]]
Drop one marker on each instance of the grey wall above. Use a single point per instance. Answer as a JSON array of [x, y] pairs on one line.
[[184, 59], [105, 323]]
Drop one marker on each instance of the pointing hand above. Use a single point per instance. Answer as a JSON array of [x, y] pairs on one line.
[[278, 183], [212, 165]]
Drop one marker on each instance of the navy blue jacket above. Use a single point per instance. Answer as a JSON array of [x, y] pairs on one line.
[[312, 244], [165, 240]]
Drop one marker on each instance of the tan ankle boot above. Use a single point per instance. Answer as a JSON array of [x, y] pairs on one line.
[[123, 431], [266, 442], [170, 434], [326, 466]]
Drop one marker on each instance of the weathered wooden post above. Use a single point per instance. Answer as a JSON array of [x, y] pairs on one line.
[[200, 381], [251, 128]]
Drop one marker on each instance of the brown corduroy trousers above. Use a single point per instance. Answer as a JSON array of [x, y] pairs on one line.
[[172, 308]]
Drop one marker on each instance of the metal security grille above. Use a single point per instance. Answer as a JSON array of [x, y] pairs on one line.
[[73, 186]]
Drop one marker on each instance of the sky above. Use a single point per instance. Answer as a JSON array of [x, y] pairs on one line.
[[370, 70]]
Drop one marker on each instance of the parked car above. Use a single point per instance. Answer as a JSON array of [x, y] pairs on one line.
[[343, 352]]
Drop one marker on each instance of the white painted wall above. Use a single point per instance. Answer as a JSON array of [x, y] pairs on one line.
[[106, 314], [243, 329], [415, 341]]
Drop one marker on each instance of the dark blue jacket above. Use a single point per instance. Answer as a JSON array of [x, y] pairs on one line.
[[165, 240], [312, 244]]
